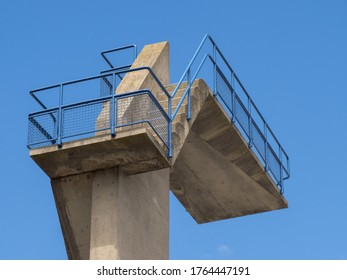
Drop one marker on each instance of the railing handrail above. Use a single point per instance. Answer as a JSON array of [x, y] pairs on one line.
[[105, 98], [188, 87], [116, 71], [189, 65]]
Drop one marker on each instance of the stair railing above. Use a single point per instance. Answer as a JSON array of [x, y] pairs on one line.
[[247, 115]]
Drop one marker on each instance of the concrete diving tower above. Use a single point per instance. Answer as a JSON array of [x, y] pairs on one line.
[[111, 185]]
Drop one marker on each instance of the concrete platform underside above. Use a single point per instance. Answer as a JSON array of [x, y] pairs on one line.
[[134, 148], [216, 175]]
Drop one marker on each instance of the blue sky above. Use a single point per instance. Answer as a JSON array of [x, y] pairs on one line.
[[290, 55]]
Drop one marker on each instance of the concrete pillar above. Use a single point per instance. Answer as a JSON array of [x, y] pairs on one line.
[[107, 214], [73, 197], [130, 215]]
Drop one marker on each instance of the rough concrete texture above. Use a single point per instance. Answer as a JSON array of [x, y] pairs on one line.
[[107, 214], [73, 199], [155, 56], [215, 175], [130, 215], [136, 151]]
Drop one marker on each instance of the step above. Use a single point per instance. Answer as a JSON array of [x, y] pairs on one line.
[[163, 97], [170, 88], [174, 102], [177, 128]]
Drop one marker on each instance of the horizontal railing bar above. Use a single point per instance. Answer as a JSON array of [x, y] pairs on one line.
[[117, 49], [85, 79], [105, 75], [44, 88], [107, 98], [125, 67], [70, 82], [43, 112], [111, 71]]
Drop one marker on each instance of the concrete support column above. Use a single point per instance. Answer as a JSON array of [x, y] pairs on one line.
[[130, 215], [106, 214]]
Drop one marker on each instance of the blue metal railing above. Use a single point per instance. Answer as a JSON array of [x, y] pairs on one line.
[[86, 118], [52, 126], [112, 111], [104, 56], [230, 92]]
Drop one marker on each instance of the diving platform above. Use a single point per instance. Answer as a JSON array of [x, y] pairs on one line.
[[113, 159]]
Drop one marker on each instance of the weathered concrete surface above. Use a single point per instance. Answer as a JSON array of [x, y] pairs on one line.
[[107, 214], [135, 150], [155, 56], [130, 215], [216, 176], [73, 199]]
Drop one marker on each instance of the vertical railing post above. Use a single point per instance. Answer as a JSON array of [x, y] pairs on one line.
[[189, 113], [232, 98], [250, 143], [169, 127], [288, 166], [135, 52], [266, 148], [60, 117], [112, 107], [214, 70], [281, 170]]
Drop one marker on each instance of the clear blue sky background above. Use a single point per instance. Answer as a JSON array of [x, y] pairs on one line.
[[290, 55]]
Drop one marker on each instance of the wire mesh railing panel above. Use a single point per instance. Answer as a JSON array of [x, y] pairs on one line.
[[258, 139], [241, 114], [140, 109], [274, 164], [250, 127], [42, 130], [132, 110], [224, 90], [85, 119], [158, 122]]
